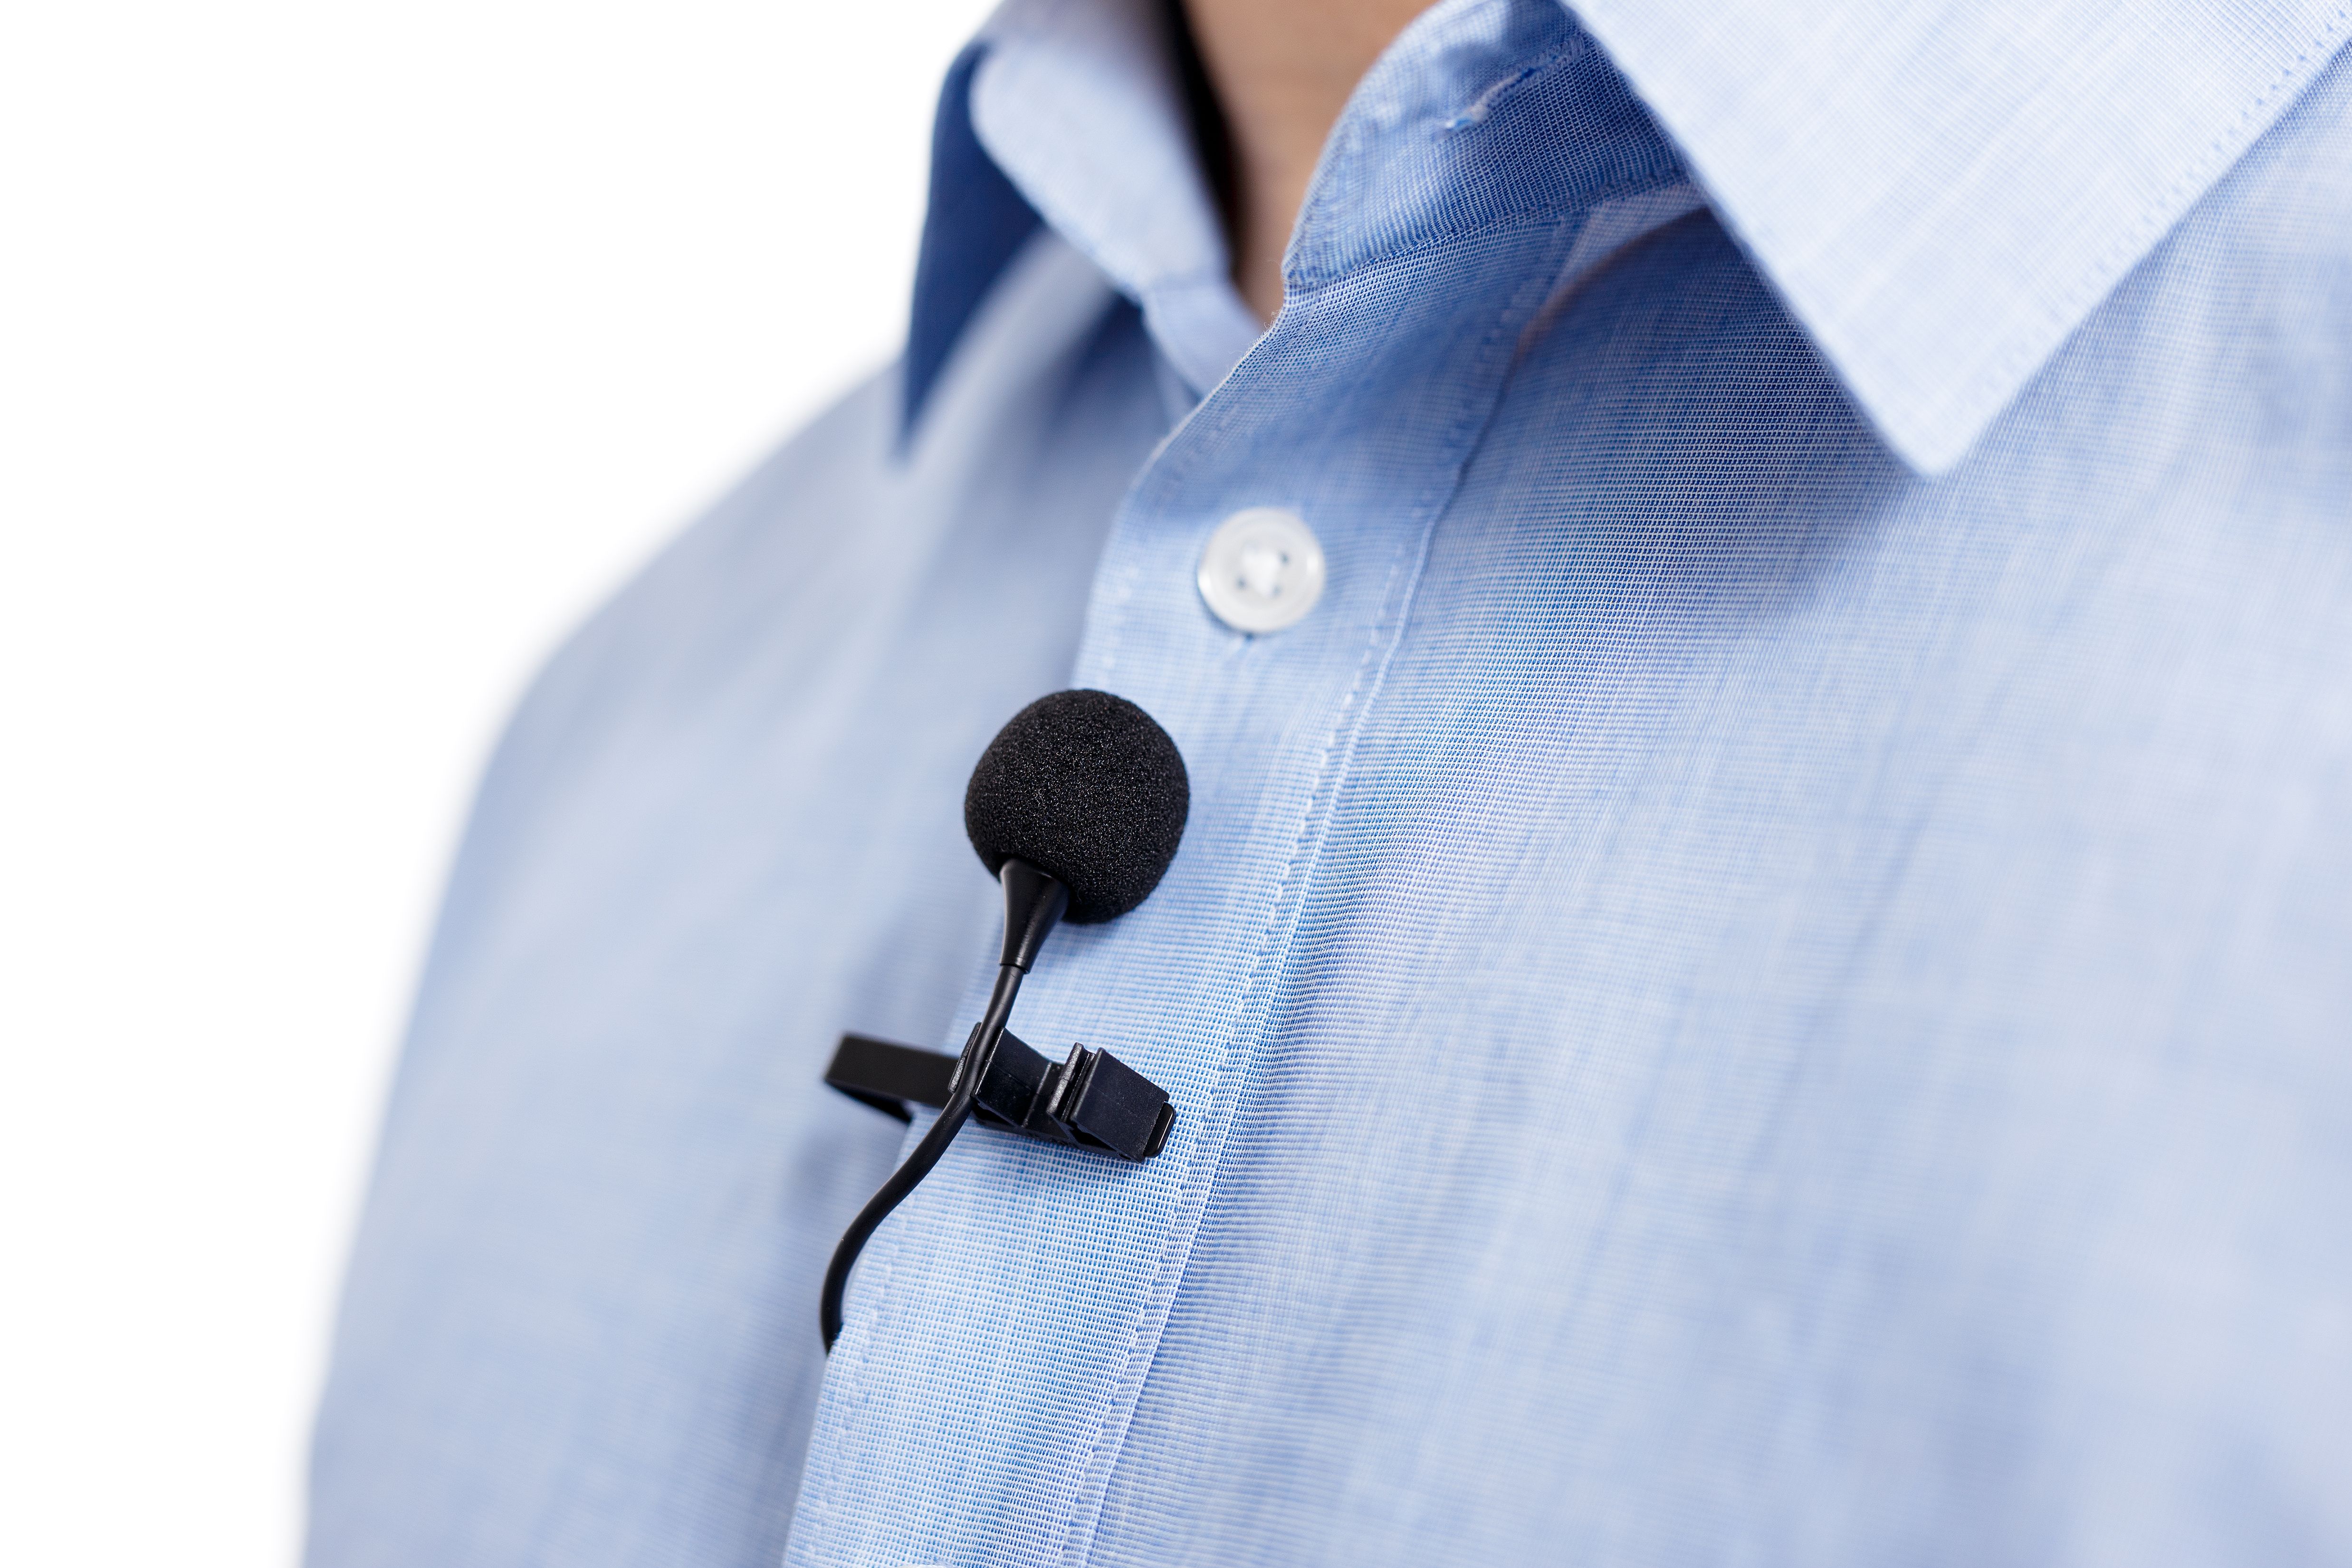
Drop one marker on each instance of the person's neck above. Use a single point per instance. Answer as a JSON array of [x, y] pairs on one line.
[[1282, 71]]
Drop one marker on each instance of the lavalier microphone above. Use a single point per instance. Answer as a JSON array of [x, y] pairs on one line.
[[1077, 808]]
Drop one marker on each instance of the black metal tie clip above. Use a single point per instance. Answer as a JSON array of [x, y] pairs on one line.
[[1091, 1100]]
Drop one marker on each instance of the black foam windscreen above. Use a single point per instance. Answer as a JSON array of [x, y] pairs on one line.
[[1089, 788]]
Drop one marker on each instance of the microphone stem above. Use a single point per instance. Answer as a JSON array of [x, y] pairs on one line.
[[979, 1054]]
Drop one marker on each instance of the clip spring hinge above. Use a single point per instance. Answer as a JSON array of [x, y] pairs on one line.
[[1090, 1100]]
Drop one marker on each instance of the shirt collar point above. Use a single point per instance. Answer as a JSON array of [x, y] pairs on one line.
[[1939, 205]]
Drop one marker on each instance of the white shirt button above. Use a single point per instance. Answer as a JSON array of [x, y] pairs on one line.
[[1262, 570]]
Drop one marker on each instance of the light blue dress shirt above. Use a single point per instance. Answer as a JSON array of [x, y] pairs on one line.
[[1766, 979]]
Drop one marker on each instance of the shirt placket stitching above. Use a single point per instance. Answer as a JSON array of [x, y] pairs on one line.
[[1247, 1038]]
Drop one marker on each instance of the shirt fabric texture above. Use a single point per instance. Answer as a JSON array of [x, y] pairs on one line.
[[1767, 978]]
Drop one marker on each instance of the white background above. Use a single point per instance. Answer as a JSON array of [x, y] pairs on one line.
[[347, 355]]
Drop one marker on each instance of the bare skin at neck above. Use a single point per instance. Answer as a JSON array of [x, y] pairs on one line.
[[1283, 71]]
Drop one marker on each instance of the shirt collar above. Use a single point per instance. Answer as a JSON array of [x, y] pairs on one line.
[[1939, 191], [1942, 190], [1067, 113], [1078, 103]]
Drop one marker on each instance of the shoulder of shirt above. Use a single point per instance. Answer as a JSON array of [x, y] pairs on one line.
[[778, 565], [724, 579]]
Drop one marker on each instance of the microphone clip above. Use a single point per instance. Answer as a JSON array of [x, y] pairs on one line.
[[1091, 1099]]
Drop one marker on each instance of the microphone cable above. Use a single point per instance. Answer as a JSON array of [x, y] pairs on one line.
[[971, 1070]]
